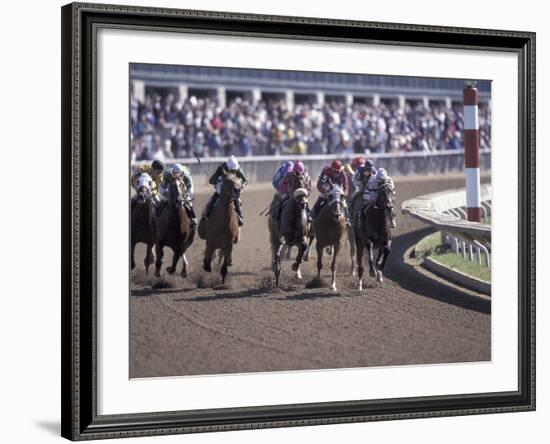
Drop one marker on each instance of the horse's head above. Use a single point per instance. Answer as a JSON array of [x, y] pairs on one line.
[[143, 194], [297, 181], [231, 186], [384, 197], [143, 188], [300, 197], [335, 202], [176, 192]]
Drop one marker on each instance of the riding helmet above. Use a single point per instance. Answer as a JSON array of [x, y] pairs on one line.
[[157, 165], [336, 166]]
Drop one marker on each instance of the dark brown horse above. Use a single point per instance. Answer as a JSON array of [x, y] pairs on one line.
[[292, 229], [142, 225], [374, 232], [328, 228], [173, 228], [221, 231]]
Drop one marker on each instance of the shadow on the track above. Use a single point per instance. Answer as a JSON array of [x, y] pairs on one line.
[[311, 296], [152, 292], [252, 293], [407, 277]]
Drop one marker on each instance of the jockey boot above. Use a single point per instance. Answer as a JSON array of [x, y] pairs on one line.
[[192, 215], [392, 218], [346, 214], [308, 213], [238, 209], [210, 206]]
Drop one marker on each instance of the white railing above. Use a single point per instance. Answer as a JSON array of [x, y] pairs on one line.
[[262, 168], [446, 211]]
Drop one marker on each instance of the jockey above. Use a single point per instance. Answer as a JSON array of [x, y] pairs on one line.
[[362, 176], [230, 166], [352, 167], [298, 169], [154, 172], [281, 172], [184, 173], [371, 190], [331, 175], [283, 192]]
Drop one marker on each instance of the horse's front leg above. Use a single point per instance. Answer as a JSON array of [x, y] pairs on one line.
[[372, 265], [276, 249], [184, 263], [207, 262], [352, 253], [132, 254], [308, 249], [296, 266], [319, 260], [360, 250], [386, 253], [226, 258], [159, 252], [148, 257], [177, 254], [335, 250]]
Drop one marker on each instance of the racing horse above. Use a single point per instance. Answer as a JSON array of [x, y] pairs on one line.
[[173, 228], [292, 229], [328, 228], [221, 231], [142, 226], [374, 232]]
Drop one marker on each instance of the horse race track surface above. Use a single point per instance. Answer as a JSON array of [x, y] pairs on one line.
[[197, 326]]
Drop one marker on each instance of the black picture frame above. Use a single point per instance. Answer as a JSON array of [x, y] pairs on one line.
[[80, 22]]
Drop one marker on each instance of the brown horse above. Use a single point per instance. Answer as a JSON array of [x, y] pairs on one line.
[[292, 229], [173, 228], [328, 228], [221, 231], [374, 232], [142, 225]]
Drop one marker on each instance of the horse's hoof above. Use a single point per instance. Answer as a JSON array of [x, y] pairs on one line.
[[170, 270], [294, 266], [360, 286], [379, 277], [184, 274], [298, 274], [333, 287], [372, 273], [207, 268], [157, 274], [133, 266]]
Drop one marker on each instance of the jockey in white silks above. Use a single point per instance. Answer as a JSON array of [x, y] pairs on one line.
[[371, 189]]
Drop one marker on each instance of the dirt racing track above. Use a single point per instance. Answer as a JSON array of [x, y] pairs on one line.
[[197, 326]]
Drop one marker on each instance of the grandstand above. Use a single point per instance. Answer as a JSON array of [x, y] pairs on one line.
[[185, 111]]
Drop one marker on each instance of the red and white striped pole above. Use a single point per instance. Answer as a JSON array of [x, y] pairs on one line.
[[471, 153]]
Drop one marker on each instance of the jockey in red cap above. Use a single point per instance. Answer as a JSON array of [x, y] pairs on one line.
[[330, 176]]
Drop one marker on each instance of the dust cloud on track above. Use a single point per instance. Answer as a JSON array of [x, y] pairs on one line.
[[197, 326]]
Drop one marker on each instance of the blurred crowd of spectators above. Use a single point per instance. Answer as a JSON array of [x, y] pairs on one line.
[[164, 127]]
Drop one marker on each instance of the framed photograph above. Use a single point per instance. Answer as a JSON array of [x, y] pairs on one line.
[[278, 221]]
